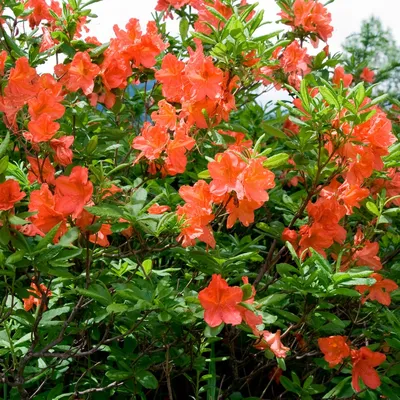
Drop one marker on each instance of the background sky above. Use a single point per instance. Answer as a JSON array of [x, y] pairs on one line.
[[346, 16]]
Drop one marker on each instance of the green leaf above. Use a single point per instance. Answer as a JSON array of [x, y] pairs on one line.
[[70, 237], [276, 161], [98, 293], [106, 210], [273, 131], [372, 208], [4, 144], [272, 299], [117, 308], [146, 379], [45, 241], [116, 375], [3, 164], [329, 96]]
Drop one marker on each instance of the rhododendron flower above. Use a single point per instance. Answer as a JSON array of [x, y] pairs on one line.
[[367, 75], [243, 211], [42, 129], [45, 103], [3, 58], [47, 217], [165, 116], [335, 349], [22, 80], [36, 300], [368, 256], [86, 219], [256, 180], [41, 170], [205, 78], [156, 209], [364, 361], [10, 193], [73, 191], [225, 171], [271, 341], [62, 146], [339, 75], [151, 142], [81, 73], [171, 76], [293, 58], [220, 302], [379, 291]]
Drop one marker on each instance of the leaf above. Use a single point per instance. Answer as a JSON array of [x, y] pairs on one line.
[[329, 96], [45, 241], [98, 293], [138, 201], [272, 299], [70, 237], [344, 292], [276, 161], [3, 164], [273, 131], [106, 210], [372, 208], [117, 308], [116, 375], [147, 379]]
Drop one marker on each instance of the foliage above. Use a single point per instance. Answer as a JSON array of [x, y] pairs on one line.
[[164, 235]]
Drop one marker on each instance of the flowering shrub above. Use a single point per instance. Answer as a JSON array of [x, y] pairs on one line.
[[167, 231]]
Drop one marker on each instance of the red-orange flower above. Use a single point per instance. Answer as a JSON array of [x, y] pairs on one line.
[[62, 146], [364, 361], [339, 75], [73, 191], [271, 341], [220, 302], [42, 129], [335, 349], [367, 75], [37, 299], [156, 209], [81, 73], [41, 170], [225, 171], [151, 142], [379, 291], [10, 193]]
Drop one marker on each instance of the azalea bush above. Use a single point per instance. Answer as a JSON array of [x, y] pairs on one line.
[[169, 230]]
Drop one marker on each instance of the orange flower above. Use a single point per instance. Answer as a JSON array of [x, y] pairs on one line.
[[256, 180], [339, 75], [3, 58], [364, 361], [156, 209], [335, 349], [45, 103], [81, 73], [62, 146], [165, 116], [73, 191], [244, 212], [99, 238], [41, 170], [368, 256], [367, 75], [206, 79], [47, 216], [225, 171], [10, 193], [294, 58], [22, 80], [42, 129], [171, 76], [37, 299], [152, 141], [220, 302], [379, 291], [271, 341]]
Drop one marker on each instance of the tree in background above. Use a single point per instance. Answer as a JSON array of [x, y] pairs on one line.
[[374, 47]]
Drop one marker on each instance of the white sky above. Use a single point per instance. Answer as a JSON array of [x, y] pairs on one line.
[[346, 14]]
